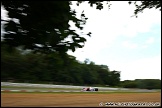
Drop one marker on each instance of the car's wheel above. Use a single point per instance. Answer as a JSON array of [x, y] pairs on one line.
[[96, 89]]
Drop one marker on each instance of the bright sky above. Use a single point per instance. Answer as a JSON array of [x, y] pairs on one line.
[[123, 43]]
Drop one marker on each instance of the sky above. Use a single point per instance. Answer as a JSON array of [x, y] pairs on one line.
[[127, 44]]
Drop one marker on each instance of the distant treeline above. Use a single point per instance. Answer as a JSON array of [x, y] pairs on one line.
[[142, 83], [54, 68]]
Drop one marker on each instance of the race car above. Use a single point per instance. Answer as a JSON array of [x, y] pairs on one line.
[[90, 89]]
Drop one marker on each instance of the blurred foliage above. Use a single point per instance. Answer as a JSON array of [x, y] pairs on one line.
[[140, 7], [142, 83], [52, 68], [44, 26]]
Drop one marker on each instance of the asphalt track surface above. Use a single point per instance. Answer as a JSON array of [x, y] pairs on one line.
[[27, 87], [25, 90], [31, 90]]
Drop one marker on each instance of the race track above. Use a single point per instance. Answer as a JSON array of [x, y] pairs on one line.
[[28, 87], [48, 95]]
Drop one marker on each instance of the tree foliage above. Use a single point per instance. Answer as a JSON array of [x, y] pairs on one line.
[[44, 26], [142, 83], [52, 68], [144, 5]]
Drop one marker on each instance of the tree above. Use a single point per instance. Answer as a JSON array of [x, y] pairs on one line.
[[148, 83], [145, 4], [114, 78], [51, 68], [129, 84], [86, 61], [44, 26]]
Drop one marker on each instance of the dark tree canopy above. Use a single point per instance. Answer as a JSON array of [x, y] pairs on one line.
[[44, 26], [52, 68], [145, 4]]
